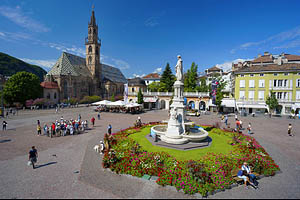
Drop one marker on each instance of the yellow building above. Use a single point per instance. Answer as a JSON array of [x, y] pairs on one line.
[[255, 80]]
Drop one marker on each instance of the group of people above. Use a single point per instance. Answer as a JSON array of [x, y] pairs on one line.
[[238, 124], [246, 174], [64, 127]]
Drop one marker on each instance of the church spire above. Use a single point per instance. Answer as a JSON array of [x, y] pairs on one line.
[[93, 19]]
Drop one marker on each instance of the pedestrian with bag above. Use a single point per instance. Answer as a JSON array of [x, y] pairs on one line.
[[4, 123], [109, 129]]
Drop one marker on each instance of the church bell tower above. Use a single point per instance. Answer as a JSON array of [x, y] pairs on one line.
[[93, 44]]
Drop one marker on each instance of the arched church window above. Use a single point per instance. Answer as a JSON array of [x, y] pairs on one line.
[[55, 95], [90, 49], [90, 31], [90, 60], [97, 51], [65, 85], [75, 89]]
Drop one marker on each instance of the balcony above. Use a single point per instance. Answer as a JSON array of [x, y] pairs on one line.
[[170, 94], [280, 88]]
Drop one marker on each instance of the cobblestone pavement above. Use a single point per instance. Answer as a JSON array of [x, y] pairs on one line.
[[75, 171]]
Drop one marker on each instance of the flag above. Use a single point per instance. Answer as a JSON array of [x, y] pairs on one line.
[[126, 93]]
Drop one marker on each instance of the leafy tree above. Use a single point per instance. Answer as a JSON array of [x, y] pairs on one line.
[[140, 97], [168, 79], [272, 102], [190, 79], [154, 86], [112, 98], [21, 87]]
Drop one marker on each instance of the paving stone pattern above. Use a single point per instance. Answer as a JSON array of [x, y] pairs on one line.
[[70, 168]]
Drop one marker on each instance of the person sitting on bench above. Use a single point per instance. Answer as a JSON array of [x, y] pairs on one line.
[[242, 174], [251, 176]]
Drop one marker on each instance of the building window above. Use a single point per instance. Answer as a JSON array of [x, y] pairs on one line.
[[132, 89], [261, 75], [242, 83], [242, 95], [55, 95], [286, 74], [297, 95], [90, 60], [251, 95], [90, 49], [285, 83], [279, 95], [97, 51], [251, 83], [242, 75], [251, 75], [261, 83], [275, 83], [298, 83], [299, 73], [275, 74], [261, 95], [280, 83]]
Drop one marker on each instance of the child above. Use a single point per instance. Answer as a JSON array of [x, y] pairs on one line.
[[249, 129], [290, 130]]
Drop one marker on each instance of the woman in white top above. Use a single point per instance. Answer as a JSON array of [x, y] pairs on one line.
[[249, 172]]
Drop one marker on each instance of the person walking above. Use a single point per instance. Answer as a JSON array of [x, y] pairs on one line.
[[249, 129], [109, 129], [99, 116], [93, 121], [226, 120], [79, 117], [45, 129], [290, 130], [33, 156], [39, 130], [4, 123], [38, 122]]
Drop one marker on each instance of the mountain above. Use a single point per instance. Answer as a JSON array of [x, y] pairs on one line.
[[10, 65]]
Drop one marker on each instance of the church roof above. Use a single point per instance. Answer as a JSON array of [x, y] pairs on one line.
[[76, 66]]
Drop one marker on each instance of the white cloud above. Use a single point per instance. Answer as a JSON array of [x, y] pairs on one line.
[[152, 22], [158, 70], [121, 64], [226, 66], [46, 64], [73, 49], [16, 15], [138, 75], [284, 40]]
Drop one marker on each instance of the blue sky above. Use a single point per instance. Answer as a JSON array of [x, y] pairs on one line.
[[141, 36]]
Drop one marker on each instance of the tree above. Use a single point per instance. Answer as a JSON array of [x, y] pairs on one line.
[[140, 97], [190, 79], [168, 79], [112, 98], [21, 87], [272, 102]]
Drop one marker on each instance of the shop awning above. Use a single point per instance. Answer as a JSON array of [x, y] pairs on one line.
[[150, 100], [252, 106], [229, 103]]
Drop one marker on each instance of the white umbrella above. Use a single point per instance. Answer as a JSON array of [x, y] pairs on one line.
[[117, 103], [104, 102]]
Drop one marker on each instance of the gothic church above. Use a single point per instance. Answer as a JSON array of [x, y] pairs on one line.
[[75, 77]]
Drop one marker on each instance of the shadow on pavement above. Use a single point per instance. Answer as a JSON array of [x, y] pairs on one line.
[[4, 141], [44, 165]]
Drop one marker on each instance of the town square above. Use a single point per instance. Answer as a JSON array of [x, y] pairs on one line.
[[120, 100]]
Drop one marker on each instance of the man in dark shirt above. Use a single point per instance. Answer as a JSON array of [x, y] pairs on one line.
[[33, 156], [4, 123]]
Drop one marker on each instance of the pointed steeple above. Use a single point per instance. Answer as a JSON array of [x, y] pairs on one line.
[[93, 19]]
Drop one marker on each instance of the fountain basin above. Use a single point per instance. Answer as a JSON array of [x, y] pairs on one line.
[[195, 134]]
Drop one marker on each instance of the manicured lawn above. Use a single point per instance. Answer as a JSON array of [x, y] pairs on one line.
[[219, 145]]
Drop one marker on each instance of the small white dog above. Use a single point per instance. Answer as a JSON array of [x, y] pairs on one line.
[[99, 148]]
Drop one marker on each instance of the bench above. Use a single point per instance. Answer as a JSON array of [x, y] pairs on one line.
[[239, 180]]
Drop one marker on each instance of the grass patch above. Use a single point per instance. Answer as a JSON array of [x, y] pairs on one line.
[[219, 145]]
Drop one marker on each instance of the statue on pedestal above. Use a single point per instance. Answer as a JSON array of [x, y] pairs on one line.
[[178, 69]]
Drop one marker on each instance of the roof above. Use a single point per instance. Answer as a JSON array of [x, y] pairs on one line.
[[152, 76], [214, 68], [69, 64], [292, 57], [264, 59], [271, 67], [76, 66], [136, 82], [113, 74], [49, 85]]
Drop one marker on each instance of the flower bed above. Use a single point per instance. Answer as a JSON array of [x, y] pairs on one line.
[[208, 173]]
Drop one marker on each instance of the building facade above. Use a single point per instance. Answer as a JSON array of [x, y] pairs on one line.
[[76, 77], [256, 79]]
